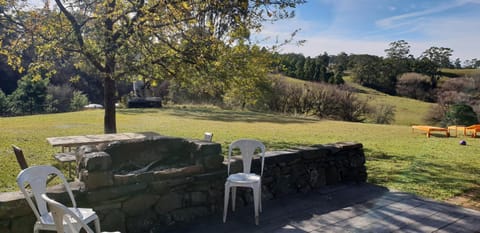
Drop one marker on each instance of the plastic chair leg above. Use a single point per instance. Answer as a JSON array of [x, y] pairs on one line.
[[256, 200], [225, 202], [234, 197], [97, 225], [260, 197]]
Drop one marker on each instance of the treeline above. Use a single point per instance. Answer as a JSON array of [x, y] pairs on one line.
[[380, 73], [398, 73]]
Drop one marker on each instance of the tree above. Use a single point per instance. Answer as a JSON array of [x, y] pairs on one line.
[[458, 63], [440, 56], [120, 39], [3, 104], [29, 97], [79, 100], [427, 67], [398, 57], [398, 50]]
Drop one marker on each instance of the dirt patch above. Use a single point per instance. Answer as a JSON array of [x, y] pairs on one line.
[[470, 199]]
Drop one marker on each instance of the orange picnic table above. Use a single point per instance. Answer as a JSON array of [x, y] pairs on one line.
[[474, 129], [429, 129]]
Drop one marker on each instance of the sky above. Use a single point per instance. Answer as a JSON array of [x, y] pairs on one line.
[[369, 26]]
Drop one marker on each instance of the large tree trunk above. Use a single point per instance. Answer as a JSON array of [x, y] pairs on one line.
[[109, 120]]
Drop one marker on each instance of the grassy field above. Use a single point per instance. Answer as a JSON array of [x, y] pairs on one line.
[[462, 72], [436, 167], [407, 111]]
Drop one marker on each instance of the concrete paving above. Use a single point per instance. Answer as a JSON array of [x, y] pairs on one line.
[[346, 208]]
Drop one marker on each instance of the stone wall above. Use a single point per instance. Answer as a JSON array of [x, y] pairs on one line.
[[155, 199]]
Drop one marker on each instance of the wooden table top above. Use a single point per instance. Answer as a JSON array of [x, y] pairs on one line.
[[73, 141]]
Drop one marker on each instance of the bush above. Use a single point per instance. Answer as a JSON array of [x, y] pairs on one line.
[[30, 95], [416, 86], [78, 101], [435, 115], [460, 114], [384, 114], [321, 100], [3, 104], [62, 96]]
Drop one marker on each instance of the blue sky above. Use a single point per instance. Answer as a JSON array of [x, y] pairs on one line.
[[368, 26]]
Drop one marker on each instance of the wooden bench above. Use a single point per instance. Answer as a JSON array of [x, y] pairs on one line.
[[429, 129]]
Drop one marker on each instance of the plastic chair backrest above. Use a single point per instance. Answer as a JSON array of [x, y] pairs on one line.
[[20, 157], [37, 177], [247, 149], [61, 214]]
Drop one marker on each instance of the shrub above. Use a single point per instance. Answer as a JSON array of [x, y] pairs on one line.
[[62, 96], [30, 95], [416, 86], [4, 102], [435, 115], [460, 114], [384, 114], [318, 99], [78, 101]]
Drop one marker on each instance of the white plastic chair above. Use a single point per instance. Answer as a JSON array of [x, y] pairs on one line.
[[37, 177], [246, 178], [66, 219]]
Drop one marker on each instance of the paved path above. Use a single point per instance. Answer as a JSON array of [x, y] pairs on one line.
[[348, 208]]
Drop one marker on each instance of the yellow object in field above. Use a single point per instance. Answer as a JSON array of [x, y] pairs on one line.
[[429, 129]]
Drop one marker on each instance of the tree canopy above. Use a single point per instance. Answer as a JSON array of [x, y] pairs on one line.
[[121, 39]]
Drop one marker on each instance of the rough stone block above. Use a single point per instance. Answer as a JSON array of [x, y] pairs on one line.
[[23, 224], [5, 226], [114, 220], [167, 150], [95, 180], [141, 223], [198, 198], [212, 162], [13, 205], [160, 187], [177, 172], [189, 214], [110, 193], [206, 149], [124, 179], [96, 161], [331, 175], [139, 203], [169, 202]]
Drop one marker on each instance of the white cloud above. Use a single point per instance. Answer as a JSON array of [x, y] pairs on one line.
[[411, 18], [317, 45]]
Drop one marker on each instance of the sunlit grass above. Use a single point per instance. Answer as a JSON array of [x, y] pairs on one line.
[[435, 167]]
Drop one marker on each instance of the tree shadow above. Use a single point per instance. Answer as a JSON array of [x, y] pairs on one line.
[[438, 178], [237, 116], [216, 114], [136, 111]]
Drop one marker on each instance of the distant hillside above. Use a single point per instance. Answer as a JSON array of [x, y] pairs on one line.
[[408, 111], [460, 72]]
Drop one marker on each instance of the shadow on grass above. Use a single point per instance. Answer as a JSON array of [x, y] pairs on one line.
[[135, 111], [216, 114], [422, 177], [236, 116]]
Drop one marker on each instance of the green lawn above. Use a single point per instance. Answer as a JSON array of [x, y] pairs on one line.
[[435, 167]]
